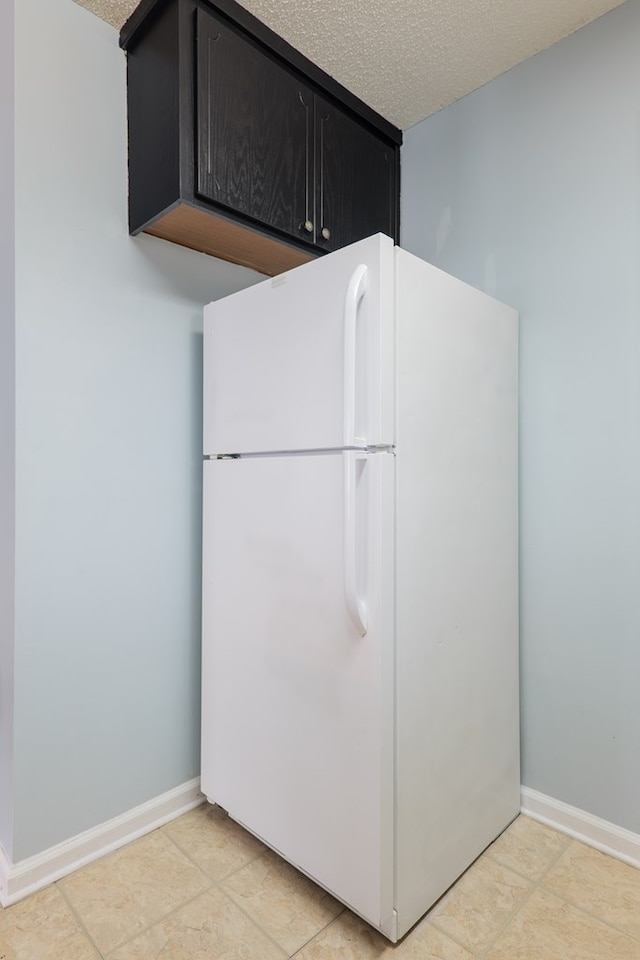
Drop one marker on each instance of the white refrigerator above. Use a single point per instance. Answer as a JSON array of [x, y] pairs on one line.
[[360, 609]]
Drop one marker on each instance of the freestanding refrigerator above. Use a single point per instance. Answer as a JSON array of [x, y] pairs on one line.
[[360, 611]]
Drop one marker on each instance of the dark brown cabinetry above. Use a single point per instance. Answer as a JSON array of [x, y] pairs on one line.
[[355, 180], [236, 148], [254, 130]]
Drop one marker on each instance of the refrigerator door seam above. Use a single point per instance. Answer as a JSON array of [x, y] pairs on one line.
[[329, 451]]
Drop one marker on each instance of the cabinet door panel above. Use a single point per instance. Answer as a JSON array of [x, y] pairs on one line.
[[355, 181], [254, 131]]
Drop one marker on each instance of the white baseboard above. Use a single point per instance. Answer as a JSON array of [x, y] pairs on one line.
[[607, 837], [17, 880]]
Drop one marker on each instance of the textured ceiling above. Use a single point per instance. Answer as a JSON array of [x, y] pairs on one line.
[[409, 58]]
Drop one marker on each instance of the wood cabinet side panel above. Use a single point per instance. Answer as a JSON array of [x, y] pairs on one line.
[[153, 120]]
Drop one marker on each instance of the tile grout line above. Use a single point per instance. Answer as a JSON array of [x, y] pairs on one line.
[[316, 935], [507, 866], [155, 923], [267, 934], [219, 885], [454, 939], [254, 922], [490, 855], [231, 872], [589, 913], [535, 884], [433, 923], [448, 935], [105, 954], [505, 924], [78, 918], [540, 883]]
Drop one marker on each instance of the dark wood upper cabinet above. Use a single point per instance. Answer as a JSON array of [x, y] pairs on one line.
[[254, 130], [241, 148], [356, 191]]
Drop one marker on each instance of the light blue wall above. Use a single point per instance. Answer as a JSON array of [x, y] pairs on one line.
[[7, 420], [530, 189], [108, 451]]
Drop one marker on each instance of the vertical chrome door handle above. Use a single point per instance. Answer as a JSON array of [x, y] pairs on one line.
[[356, 605], [355, 292]]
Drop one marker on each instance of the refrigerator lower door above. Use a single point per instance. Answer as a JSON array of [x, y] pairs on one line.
[[297, 736]]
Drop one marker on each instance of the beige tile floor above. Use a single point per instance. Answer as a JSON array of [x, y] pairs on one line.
[[201, 888]]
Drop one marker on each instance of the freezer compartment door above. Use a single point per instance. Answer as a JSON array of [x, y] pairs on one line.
[[304, 361], [297, 734]]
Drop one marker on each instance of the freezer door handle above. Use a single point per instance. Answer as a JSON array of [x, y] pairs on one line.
[[356, 605], [355, 292]]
